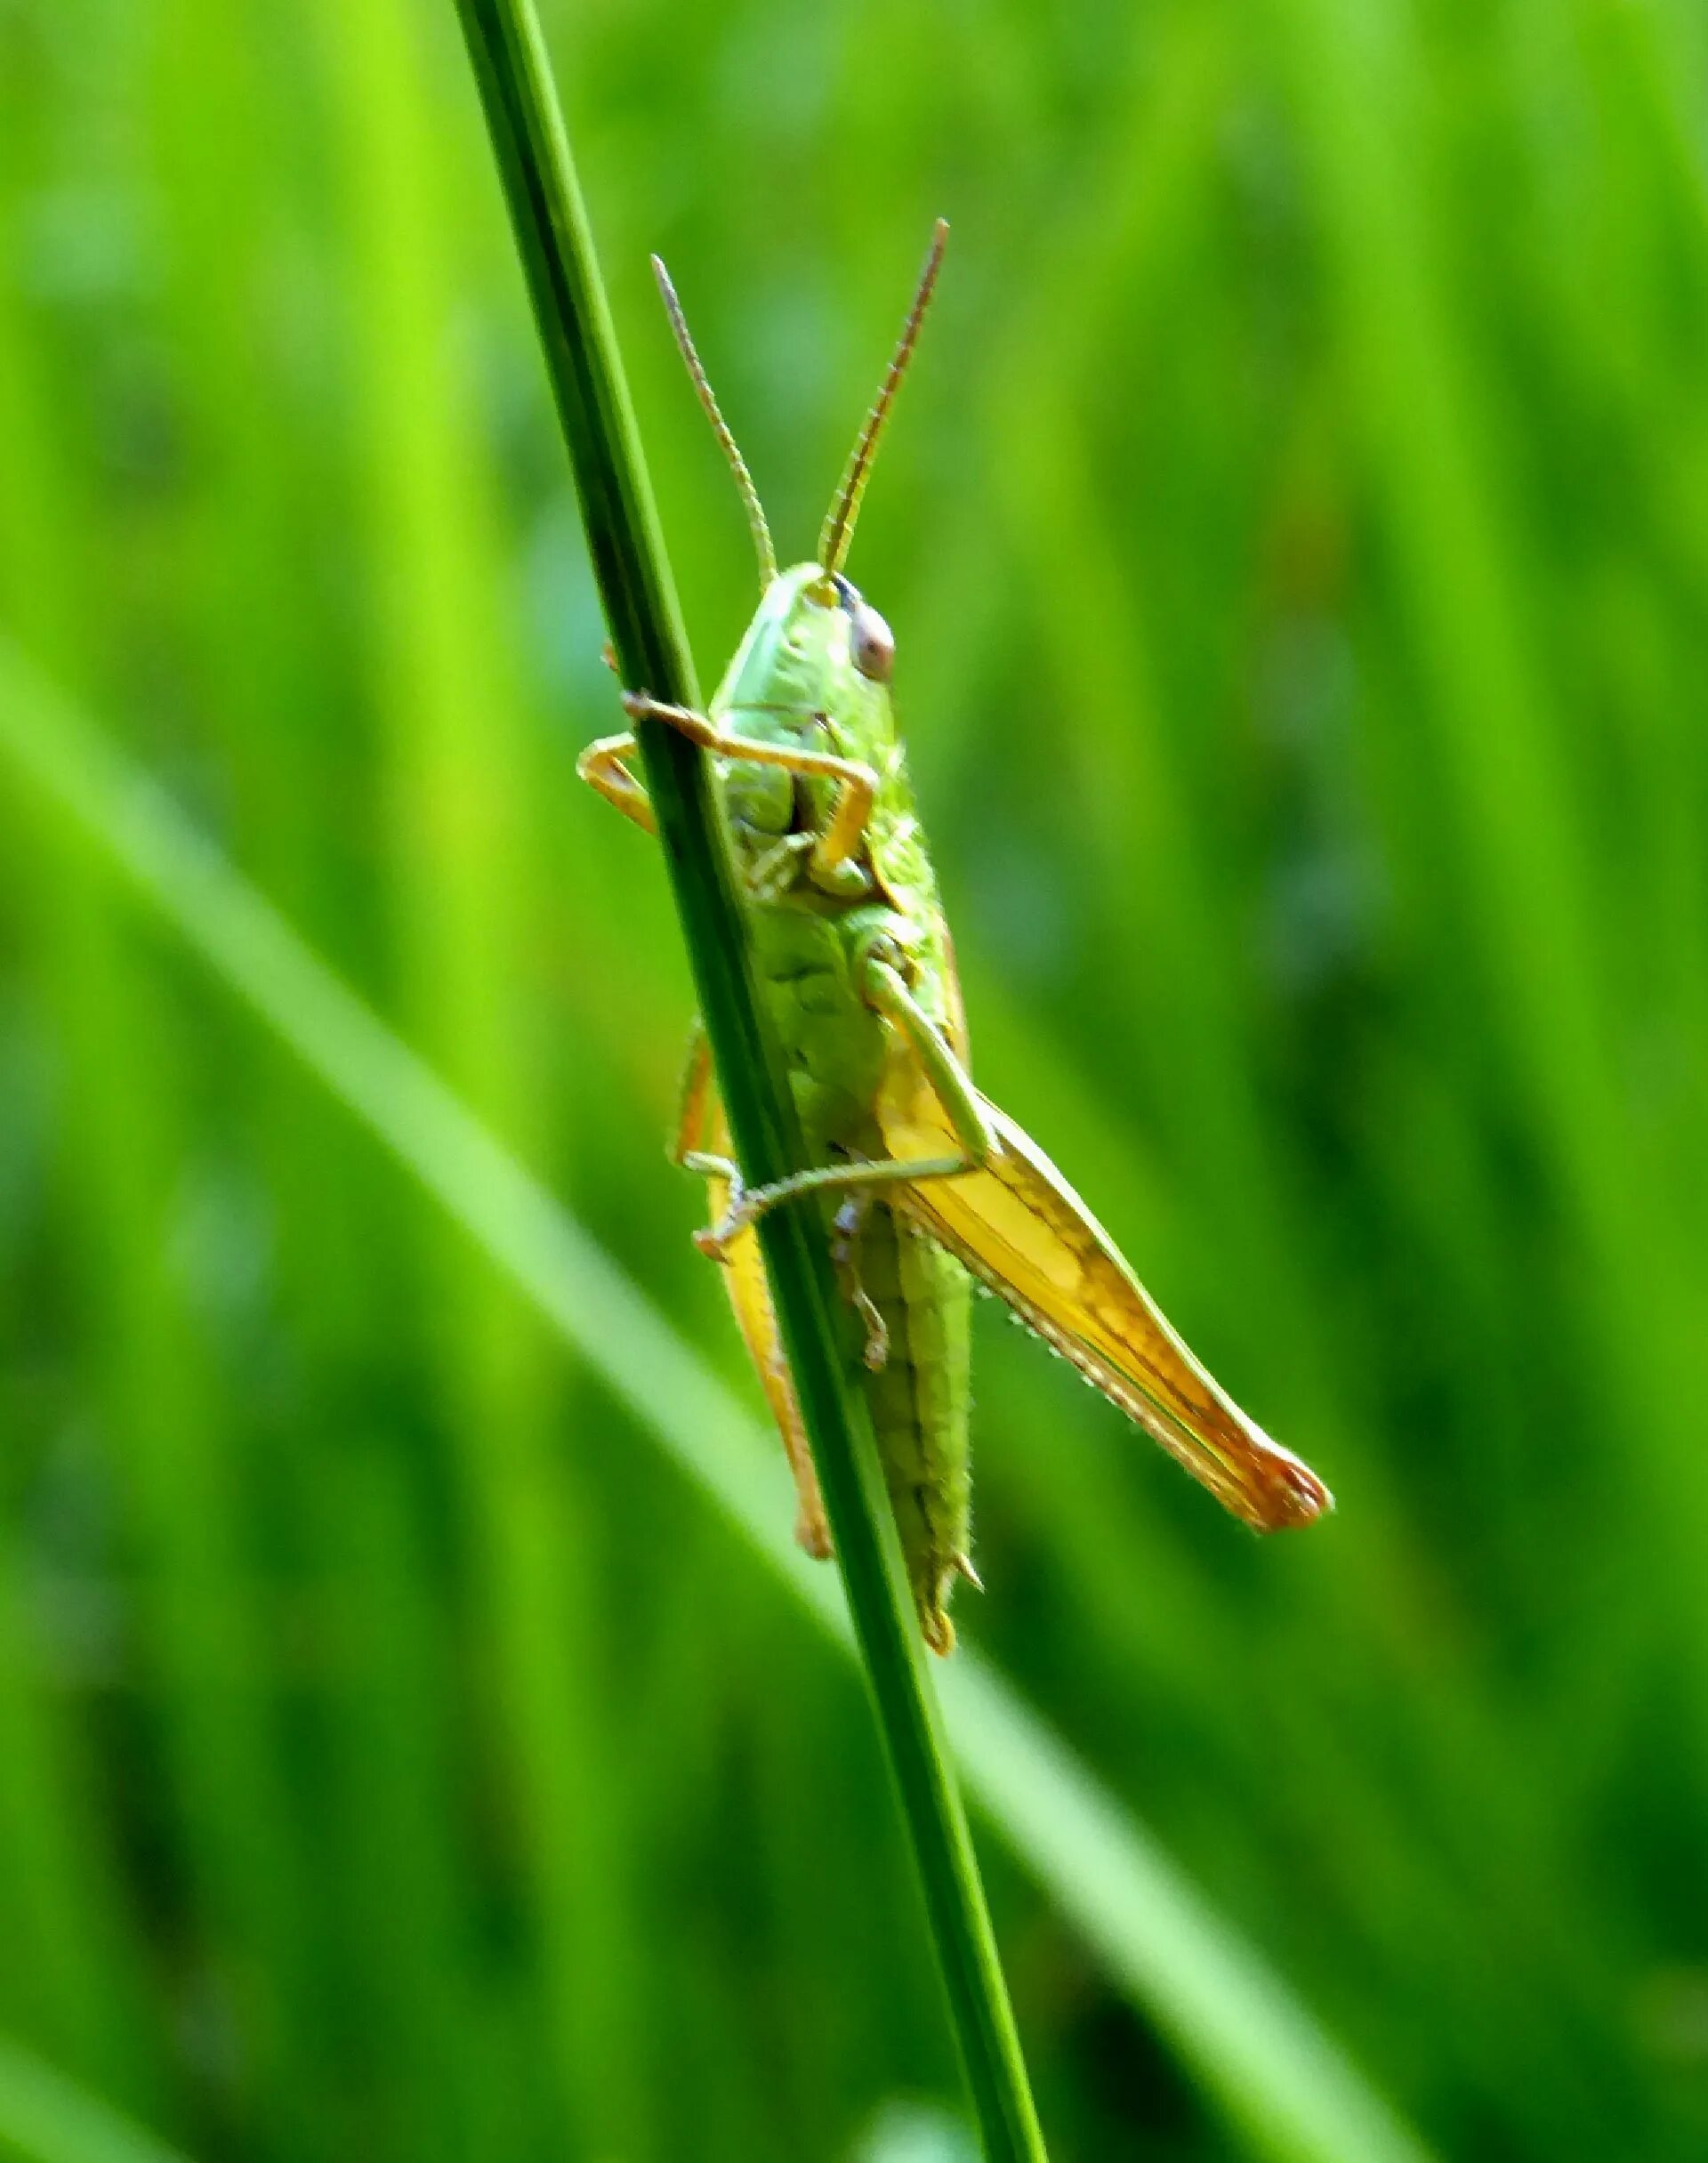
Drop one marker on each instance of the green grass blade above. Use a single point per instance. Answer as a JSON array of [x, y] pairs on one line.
[[1277, 2076], [1234, 2021], [203, 1617], [46, 2118], [573, 322]]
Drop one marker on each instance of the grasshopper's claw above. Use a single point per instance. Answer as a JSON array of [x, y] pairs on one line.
[[812, 1534], [746, 1205]]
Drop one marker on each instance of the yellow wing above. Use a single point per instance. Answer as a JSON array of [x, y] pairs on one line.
[[1022, 1230]]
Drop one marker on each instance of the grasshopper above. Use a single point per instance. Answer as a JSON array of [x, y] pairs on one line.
[[935, 1187]]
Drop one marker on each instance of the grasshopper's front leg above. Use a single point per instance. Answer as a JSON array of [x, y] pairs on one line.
[[604, 765], [884, 988]]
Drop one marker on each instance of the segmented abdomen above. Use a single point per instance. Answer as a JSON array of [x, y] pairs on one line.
[[919, 1401]]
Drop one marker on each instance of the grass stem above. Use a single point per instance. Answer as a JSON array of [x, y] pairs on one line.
[[579, 345]]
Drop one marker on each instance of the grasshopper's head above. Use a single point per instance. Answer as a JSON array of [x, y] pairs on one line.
[[813, 632], [814, 645]]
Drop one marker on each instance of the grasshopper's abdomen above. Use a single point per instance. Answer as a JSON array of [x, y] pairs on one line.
[[919, 1400]]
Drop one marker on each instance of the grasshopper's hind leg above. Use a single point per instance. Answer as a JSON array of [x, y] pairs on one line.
[[700, 1117]]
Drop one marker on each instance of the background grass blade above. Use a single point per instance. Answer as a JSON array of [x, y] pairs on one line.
[[46, 2118]]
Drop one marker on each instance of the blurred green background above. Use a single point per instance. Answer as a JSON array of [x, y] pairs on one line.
[[1296, 537]]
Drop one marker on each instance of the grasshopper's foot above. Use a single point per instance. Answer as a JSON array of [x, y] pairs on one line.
[[811, 1533], [747, 1205], [846, 880], [716, 1240]]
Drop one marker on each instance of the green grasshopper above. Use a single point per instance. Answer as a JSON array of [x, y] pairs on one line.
[[937, 1187]]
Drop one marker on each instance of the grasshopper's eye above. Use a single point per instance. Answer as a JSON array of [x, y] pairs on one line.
[[872, 643]]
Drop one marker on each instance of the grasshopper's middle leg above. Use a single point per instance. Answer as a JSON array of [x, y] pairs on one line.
[[845, 1257], [749, 1293], [885, 989]]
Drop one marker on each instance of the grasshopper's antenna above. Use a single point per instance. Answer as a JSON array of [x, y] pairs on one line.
[[751, 503], [839, 526]]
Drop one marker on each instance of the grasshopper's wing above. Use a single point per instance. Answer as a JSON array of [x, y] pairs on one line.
[[1021, 1228], [749, 1295]]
